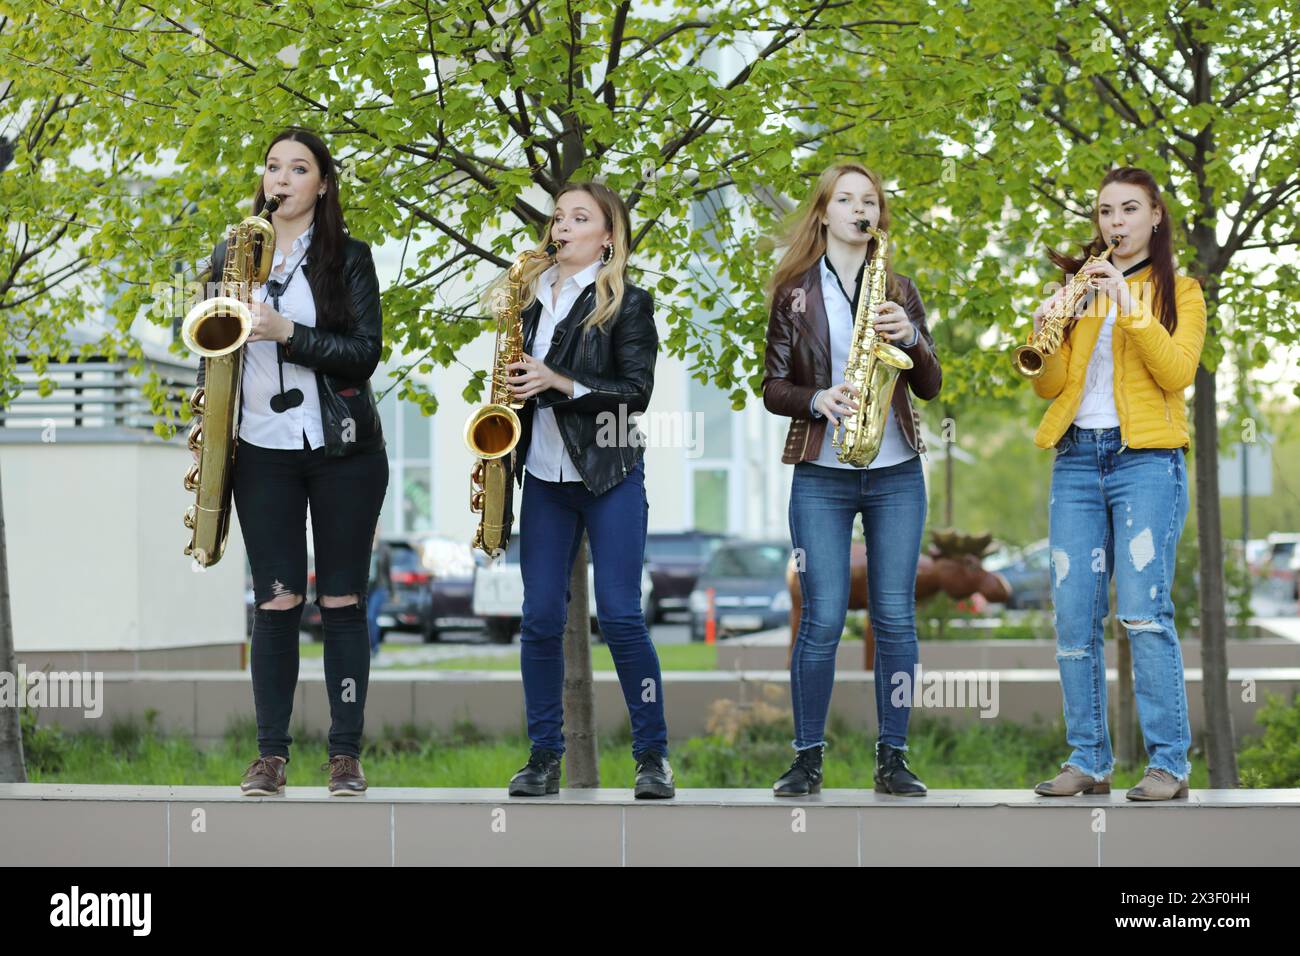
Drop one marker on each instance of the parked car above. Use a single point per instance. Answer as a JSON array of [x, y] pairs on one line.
[[1283, 565], [675, 561], [499, 595], [430, 588], [1029, 572], [749, 590]]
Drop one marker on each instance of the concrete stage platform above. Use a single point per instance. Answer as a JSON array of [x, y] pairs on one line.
[[78, 825]]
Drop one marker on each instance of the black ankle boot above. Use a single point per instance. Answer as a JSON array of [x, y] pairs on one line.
[[804, 776], [654, 777], [893, 775], [541, 775]]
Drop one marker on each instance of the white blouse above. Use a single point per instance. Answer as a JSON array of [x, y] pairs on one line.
[[258, 424]]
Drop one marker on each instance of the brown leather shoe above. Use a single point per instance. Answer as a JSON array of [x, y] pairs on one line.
[[1158, 784], [346, 778], [1071, 781], [264, 777]]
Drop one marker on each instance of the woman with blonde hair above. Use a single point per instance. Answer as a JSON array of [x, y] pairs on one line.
[[814, 298], [590, 344]]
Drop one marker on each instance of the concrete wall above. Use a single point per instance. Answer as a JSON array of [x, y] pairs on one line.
[[203, 704], [95, 544], [156, 826]]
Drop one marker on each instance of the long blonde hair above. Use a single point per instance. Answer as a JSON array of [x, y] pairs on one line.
[[804, 236], [609, 277]]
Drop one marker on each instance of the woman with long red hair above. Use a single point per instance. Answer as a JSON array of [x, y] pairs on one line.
[[1118, 423]]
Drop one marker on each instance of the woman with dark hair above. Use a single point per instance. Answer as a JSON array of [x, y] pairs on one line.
[[590, 344], [1118, 422], [814, 298], [309, 437]]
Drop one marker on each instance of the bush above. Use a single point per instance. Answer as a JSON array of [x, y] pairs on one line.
[[1273, 759]]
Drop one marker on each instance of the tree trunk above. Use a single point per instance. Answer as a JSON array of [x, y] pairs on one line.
[[1220, 749], [1125, 730], [12, 769], [581, 756]]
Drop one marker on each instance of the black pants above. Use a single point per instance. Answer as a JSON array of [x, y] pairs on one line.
[[272, 489]]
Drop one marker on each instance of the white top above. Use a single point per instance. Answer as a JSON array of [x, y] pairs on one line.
[[894, 449], [548, 459], [259, 425], [1097, 410]]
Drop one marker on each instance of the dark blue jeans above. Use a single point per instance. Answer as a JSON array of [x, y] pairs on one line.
[[823, 503], [551, 520]]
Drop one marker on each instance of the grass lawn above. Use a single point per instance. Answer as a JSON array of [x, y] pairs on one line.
[[989, 755], [672, 657]]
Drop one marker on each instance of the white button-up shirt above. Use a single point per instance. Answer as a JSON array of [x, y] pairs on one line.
[[894, 448], [259, 425], [548, 459]]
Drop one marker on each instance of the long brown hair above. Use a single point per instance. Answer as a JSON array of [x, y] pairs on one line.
[[610, 278], [804, 236], [325, 255], [1160, 250]]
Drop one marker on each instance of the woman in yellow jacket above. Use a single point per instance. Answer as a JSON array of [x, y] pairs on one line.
[[1118, 422]]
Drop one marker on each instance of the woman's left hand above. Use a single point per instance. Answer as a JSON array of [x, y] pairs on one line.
[[1107, 278], [268, 324], [892, 322], [531, 377]]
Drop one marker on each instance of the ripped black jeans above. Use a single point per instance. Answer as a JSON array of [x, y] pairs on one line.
[[272, 490]]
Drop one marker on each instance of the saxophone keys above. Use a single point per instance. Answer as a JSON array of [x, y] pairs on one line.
[[191, 516], [192, 478], [195, 440]]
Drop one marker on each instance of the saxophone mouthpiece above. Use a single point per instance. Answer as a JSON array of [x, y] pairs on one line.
[[554, 246], [863, 226], [272, 204]]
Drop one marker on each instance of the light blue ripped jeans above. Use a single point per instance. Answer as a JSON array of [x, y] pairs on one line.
[[1118, 511]]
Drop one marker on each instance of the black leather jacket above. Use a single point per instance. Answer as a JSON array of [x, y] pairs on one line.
[[343, 362], [617, 364]]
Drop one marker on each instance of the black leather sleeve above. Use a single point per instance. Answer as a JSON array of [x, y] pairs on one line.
[[350, 356], [630, 383]]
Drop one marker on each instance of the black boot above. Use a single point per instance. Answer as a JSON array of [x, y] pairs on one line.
[[804, 776], [539, 776], [893, 775], [654, 778]]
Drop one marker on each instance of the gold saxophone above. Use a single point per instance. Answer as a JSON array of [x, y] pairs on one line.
[[492, 432], [872, 368], [1030, 359], [217, 329]]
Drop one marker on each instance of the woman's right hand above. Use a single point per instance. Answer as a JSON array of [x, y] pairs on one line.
[[836, 401], [1050, 302]]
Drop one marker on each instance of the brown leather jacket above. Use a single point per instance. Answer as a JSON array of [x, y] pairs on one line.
[[798, 363]]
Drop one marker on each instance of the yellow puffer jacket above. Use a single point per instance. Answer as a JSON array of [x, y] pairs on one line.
[[1152, 367]]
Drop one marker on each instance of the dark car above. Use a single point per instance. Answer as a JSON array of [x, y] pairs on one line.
[[675, 561], [430, 590], [1029, 572], [747, 579]]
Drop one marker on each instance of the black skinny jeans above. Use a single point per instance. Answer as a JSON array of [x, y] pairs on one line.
[[272, 490]]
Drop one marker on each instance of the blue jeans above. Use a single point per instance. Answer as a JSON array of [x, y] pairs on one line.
[[1118, 513], [374, 604], [552, 517], [823, 504]]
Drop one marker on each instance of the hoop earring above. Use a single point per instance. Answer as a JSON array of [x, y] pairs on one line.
[[607, 254], [1156, 227]]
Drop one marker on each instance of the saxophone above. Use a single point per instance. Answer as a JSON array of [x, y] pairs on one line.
[[1030, 359], [872, 368], [492, 432], [216, 329]]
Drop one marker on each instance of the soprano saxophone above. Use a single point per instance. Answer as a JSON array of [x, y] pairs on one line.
[[872, 368], [1031, 358]]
